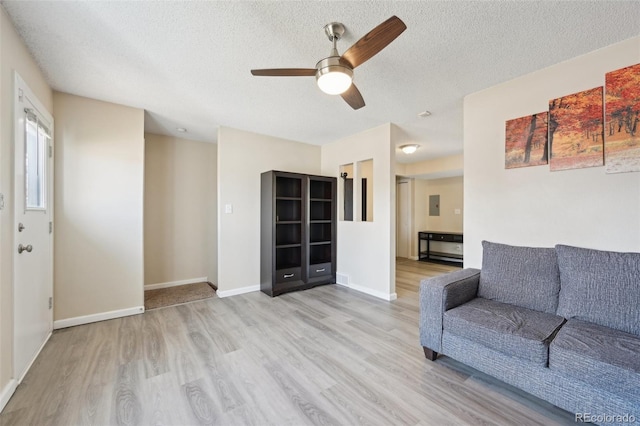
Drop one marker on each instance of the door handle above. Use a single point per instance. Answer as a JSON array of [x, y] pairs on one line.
[[20, 227], [27, 248]]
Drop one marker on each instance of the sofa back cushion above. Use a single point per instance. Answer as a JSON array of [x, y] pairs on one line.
[[601, 287], [523, 276]]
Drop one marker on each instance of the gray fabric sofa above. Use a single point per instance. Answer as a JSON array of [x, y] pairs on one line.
[[560, 323]]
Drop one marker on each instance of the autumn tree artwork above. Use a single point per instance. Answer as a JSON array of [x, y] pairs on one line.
[[622, 130], [526, 141], [576, 130]]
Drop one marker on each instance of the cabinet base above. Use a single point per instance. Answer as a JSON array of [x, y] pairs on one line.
[[273, 292]]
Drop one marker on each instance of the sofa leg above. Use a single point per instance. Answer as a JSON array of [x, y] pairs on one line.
[[429, 354]]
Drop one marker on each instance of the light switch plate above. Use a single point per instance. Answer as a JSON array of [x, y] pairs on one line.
[[228, 208]]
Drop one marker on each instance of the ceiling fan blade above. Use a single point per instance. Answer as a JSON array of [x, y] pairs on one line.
[[374, 41], [285, 72], [353, 97]]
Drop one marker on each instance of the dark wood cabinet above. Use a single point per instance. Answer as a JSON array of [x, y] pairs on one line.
[[297, 231]]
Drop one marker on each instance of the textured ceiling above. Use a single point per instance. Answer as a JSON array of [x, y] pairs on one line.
[[187, 63]]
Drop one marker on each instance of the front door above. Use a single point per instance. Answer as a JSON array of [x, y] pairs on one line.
[[33, 201]]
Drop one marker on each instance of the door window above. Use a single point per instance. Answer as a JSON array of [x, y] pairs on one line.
[[36, 144]]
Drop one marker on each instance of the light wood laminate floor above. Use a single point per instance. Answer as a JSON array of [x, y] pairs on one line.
[[328, 355]]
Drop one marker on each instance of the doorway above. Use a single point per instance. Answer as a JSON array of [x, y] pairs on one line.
[[33, 228]]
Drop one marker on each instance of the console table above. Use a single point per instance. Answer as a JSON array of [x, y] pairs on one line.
[[425, 254]]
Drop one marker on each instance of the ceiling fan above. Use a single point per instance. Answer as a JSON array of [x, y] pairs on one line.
[[334, 74]]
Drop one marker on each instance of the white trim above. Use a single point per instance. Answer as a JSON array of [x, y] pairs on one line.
[[7, 393], [237, 291], [175, 283], [88, 319], [413, 257], [380, 295]]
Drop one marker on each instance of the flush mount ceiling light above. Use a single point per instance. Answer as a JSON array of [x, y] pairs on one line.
[[409, 149], [181, 129]]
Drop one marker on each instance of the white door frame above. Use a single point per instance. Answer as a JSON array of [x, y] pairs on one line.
[[409, 206], [21, 91]]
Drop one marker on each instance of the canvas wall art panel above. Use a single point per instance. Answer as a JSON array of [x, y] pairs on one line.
[[576, 130], [622, 129], [526, 141]]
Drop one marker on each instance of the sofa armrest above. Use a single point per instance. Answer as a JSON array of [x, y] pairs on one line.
[[439, 294]]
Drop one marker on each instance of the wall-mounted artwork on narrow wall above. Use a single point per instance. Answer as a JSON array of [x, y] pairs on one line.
[[576, 130], [526, 141], [622, 129]]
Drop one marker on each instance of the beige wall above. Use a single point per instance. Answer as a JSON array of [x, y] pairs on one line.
[[99, 161], [531, 205], [451, 198], [433, 169], [242, 157], [366, 250], [180, 213], [13, 56]]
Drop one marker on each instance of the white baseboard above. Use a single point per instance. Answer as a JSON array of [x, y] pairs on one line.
[[87, 319], [7, 392], [175, 283], [237, 291], [413, 257], [379, 294]]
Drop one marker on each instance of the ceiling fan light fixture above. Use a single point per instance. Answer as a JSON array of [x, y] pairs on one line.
[[334, 74], [333, 78], [409, 149]]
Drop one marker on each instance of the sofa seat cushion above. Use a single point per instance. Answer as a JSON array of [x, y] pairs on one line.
[[519, 332], [598, 355]]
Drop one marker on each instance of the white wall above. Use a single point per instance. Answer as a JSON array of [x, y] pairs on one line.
[[366, 250], [99, 161], [180, 214], [531, 205], [242, 157], [14, 56]]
